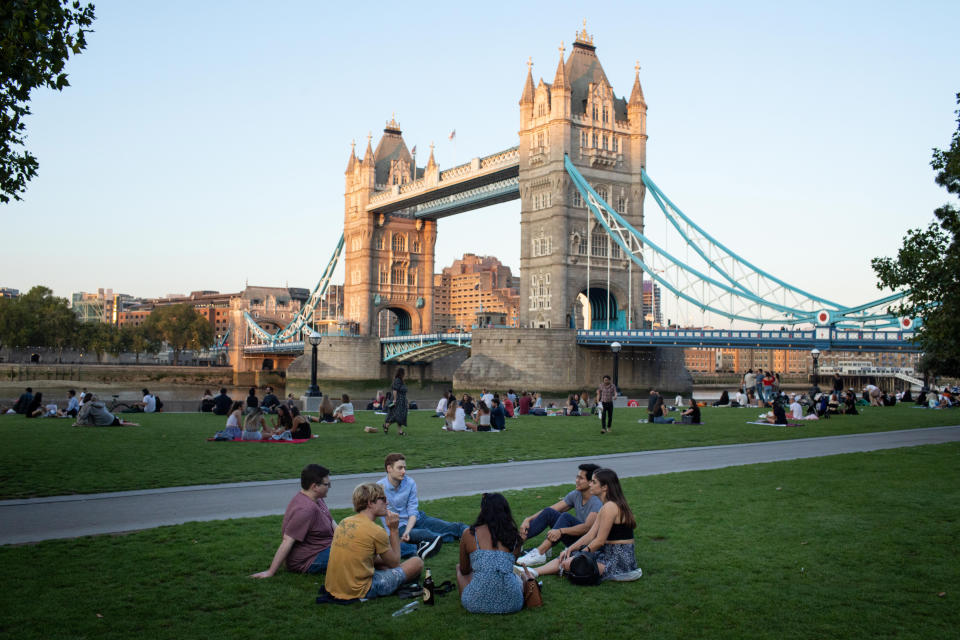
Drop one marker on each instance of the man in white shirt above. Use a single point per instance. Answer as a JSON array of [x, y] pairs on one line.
[[741, 399], [149, 403], [795, 409]]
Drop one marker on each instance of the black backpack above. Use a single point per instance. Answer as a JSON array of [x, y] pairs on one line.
[[584, 569]]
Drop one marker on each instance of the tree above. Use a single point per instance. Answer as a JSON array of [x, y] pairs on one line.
[[141, 340], [38, 319], [36, 39], [928, 264], [181, 327]]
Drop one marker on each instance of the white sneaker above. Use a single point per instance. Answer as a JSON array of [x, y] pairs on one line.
[[532, 558], [523, 571]]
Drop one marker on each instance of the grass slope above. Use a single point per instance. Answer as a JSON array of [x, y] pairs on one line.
[[851, 546], [49, 457]]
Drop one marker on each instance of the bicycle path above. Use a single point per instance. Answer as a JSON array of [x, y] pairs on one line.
[[37, 519]]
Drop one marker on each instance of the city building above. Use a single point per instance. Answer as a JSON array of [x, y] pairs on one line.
[[475, 290], [7, 292], [652, 314], [102, 306]]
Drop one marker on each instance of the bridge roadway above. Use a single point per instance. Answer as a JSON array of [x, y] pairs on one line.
[[33, 520]]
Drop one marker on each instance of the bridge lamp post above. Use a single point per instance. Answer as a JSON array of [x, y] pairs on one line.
[[815, 353], [615, 347], [314, 338]]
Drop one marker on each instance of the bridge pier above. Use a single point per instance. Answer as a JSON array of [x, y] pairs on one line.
[[550, 360]]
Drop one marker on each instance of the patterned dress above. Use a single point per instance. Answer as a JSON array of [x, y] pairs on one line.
[[494, 587], [398, 412]]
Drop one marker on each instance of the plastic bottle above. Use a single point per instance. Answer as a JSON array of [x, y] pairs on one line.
[[408, 608], [428, 593]]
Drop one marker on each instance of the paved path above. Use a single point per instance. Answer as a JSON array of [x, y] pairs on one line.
[[71, 516]]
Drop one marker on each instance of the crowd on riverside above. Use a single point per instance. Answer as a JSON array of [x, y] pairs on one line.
[[380, 550]]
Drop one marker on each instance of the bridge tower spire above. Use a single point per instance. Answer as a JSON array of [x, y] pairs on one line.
[[605, 137], [388, 258]]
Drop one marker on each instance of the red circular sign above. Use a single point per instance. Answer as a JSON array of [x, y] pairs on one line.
[[822, 317]]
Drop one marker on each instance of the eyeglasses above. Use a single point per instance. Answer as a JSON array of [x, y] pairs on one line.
[[380, 498], [326, 484]]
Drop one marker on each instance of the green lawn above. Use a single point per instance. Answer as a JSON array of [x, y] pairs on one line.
[[851, 546], [49, 457]]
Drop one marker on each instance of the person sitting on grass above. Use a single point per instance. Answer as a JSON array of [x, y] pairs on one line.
[[565, 527], [35, 408], [850, 404], [73, 405], [344, 410], [222, 403], [416, 526], [796, 409], [254, 426], [498, 417], [442, 405], [483, 418], [572, 408], [468, 407], [365, 559], [455, 419], [283, 420], [232, 430], [488, 550], [252, 402], [270, 401], [94, 413], [778, 415], [610, 538], [724, 399], [660, 411], [148, 404], [691, 415], [301, 424], [326, 410], [283, 433], [308, 528], [20, 406]]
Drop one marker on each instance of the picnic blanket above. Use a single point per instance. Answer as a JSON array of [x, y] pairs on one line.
[[768, 424], [299, 441]]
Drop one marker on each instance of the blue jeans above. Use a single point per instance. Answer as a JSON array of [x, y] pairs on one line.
[[552, 518], [427, 528], [663, 420], [320, 562], [385, 582]]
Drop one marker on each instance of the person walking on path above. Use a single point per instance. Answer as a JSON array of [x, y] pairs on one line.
[[397, 411], [605, 395]]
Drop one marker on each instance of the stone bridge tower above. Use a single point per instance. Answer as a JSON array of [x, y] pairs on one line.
[[388, 259], [605, 137]]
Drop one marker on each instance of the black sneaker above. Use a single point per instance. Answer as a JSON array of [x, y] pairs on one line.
[[430, 547]]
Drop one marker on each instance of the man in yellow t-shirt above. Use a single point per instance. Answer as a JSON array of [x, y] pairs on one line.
[[364, 559]]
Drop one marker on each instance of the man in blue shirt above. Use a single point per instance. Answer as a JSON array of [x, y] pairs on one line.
[[415, 525]]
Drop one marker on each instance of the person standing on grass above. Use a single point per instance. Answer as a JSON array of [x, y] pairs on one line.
[[415, 525], [564, 527], [605, 395], [610, 537], [397, 411], [307, 529], [365, 559]]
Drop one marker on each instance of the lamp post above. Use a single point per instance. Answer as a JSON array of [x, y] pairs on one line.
[[815, 353], [615, 347], [314, 338]]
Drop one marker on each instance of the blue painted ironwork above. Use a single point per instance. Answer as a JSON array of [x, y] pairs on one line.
[[301, 322], [289, 347], [822, 338], [484, 196], [424, 347], [729, 295]]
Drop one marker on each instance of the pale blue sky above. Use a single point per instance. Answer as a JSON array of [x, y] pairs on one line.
[[202, 145]]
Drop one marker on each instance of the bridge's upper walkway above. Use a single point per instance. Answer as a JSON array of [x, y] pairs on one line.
[[479, 183]]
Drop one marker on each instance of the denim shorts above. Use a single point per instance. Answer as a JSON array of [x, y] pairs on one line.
[[320, 562], [386, 582]]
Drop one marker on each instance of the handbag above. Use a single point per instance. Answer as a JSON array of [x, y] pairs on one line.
[[532, 598]]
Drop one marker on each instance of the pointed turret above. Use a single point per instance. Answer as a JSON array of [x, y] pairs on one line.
[[560, 79], [352, 162], [636, 96], [527, 97], [431, 163], [368, 155]]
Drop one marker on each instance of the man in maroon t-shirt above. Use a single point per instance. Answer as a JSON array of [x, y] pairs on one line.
[[307, 527], [525, 401]]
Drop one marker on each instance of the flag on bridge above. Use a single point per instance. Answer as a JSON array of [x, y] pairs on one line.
[[414, 152], [453, 134]]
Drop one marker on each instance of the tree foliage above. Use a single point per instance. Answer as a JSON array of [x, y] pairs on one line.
[[181, 327], [37, 319], [928, 264], [36, 39]]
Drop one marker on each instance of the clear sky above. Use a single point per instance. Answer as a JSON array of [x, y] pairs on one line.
[[202, 145]]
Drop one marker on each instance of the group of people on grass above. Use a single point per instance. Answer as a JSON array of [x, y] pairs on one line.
[[384, 544], [658, 411], [87, 408], [248, 421]]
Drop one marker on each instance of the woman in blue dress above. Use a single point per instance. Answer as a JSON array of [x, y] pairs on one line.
[[488, 551]]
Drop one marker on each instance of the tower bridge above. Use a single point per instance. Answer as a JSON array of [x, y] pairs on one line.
[[579, 171]]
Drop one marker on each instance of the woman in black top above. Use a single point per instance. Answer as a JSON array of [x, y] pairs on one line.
[[692, 415]]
